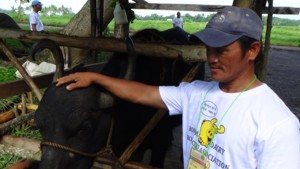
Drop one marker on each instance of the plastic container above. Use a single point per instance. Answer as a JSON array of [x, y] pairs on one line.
[[120, 15]]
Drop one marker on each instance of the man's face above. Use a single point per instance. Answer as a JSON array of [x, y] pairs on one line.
[[37, 7], [40, 7], [227, 63]]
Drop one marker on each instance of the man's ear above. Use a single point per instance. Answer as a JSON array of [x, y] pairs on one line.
[[254, 50]]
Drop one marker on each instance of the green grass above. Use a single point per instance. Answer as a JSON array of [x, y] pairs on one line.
[[7, 74], [8, 159], [56, 20], [13, 43], [6, 104], [47, 20], [28, 131], [137, 25], [286, 36]]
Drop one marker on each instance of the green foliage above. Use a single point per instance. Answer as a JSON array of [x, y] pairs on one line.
[[8, 159], [282, 22], [153, 17], [28, 131], [6, 104], [14, 44], [7, 74], [20, 16]]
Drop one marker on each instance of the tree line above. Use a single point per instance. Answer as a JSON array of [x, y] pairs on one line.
[[19, 12]]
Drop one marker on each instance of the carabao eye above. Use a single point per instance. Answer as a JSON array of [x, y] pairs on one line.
[[84, 130]]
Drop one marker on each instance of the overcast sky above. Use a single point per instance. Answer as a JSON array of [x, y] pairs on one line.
[[77, 4]]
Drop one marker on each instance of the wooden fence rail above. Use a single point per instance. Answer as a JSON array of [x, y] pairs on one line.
[[206, 8], [186, 52]]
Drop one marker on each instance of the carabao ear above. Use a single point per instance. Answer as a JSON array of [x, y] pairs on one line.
[[106, 99], [131, 63]]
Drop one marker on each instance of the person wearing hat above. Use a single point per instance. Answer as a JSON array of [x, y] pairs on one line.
[[35, 21], [234, 121]]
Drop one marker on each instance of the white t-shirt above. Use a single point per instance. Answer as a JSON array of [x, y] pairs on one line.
[[34, 18], [258, 130], [178, 22]]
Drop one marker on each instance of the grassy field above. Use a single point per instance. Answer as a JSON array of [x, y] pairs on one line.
[[285, 36]]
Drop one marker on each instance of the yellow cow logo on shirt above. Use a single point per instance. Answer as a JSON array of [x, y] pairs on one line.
[[207, 131]]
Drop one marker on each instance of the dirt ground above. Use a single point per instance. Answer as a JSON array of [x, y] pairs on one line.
[[283, 77]]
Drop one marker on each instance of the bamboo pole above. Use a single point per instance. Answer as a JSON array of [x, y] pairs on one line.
[[6, 116], [8, 126]]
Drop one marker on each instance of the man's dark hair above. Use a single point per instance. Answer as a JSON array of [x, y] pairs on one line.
[[245, 43]]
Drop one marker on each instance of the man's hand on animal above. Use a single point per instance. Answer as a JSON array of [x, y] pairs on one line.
[[77, 80]]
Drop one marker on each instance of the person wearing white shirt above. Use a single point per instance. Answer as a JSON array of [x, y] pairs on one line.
[[178, 21], [35, 21]]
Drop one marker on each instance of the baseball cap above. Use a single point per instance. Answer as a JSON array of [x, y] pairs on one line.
[[33, 3], [228, 25]]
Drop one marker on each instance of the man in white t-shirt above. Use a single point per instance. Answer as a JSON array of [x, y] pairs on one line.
[[235, 121], [35, 21], [178, 21]]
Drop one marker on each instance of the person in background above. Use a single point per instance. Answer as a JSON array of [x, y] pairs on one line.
[[35, 21], [178, 21], [234, 121]]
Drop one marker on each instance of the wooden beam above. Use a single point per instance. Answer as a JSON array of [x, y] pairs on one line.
[[185, 52], [284, 10], [17, 87], [8, 126], [181, 7], [205, 8]]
